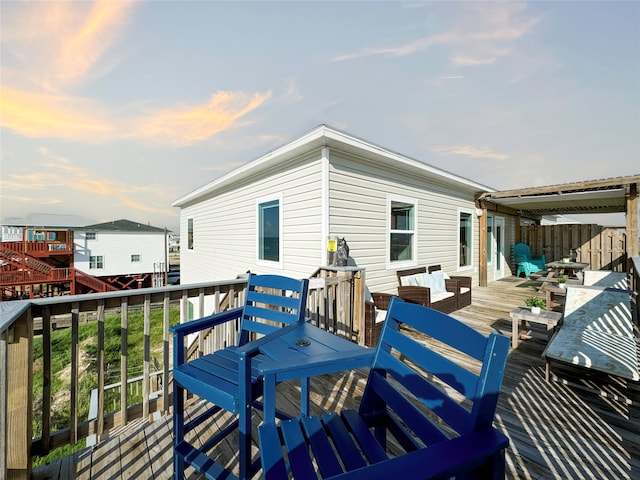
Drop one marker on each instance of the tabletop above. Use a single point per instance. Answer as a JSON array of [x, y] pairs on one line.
[[567, 265], [573, 269], [302, 351]]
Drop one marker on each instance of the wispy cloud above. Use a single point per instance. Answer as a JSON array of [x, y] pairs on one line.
[[45, 115], [54, 47], [469, 151], [56, 44], [483, 28], [58, 171], [188, 125], [472, 62]]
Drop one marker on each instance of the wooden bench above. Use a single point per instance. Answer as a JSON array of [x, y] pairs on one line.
[[597, 333], [436, 413], [606, 278]]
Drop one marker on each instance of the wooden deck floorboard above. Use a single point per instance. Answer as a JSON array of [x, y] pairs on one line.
[[576, 427]]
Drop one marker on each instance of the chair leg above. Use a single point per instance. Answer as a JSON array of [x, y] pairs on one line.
[[178, 431], [244, 420], [304, 396]]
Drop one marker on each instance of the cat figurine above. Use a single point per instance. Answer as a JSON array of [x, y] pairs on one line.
[[343, 252]]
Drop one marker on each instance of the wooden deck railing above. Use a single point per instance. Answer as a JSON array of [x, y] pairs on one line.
[[335, 303]]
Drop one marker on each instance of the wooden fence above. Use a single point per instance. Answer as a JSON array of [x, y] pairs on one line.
[[602, 248]]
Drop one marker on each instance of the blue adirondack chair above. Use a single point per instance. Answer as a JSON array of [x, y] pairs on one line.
[[437, 435], [271, 302], [526, 262]]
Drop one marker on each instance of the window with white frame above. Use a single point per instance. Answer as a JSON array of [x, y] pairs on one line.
[[90, 235], [465, 239], [135, 258], [190, 233], [96, 261], [269, 230], [402, 230]]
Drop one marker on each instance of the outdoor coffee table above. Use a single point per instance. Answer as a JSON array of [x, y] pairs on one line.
[[545, 317]]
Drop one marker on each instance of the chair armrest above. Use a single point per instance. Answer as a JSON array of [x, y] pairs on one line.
[[452, 285], [206, 322], [463, 281], [381, 300], [252, 347], [443, 460], [421, 295]]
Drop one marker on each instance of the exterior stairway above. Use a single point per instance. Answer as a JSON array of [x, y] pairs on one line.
[[24, 261], [19, 268]]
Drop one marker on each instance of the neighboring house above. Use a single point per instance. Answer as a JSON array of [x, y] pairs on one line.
[[49, 255], [121, 252], [276, 214]]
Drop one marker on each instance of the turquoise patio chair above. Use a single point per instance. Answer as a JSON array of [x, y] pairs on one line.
[[407, 399], [526, 262]]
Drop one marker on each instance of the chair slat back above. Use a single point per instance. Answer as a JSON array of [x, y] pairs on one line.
[[522, 250], [414, 381], [272, 302]]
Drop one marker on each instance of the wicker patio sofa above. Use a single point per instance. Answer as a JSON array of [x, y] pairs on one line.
[[418, 286], [464, 285], [375, 310]]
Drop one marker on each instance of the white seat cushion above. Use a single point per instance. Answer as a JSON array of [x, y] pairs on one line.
[[437, 296]]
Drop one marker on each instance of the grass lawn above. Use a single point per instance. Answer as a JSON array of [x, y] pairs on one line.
[[88, 379]]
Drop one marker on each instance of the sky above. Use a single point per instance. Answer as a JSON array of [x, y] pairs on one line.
[[113, 110]]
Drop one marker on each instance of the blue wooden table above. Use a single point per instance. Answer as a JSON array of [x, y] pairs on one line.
[[302, 351]]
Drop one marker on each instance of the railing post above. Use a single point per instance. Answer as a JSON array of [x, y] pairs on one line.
[[17, 345], [358, 304]]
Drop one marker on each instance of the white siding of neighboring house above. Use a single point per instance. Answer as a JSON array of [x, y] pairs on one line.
[[10, 233], [359, 193], [116, 248], [225, 225]]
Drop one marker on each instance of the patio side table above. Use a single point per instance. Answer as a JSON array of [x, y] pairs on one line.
[[545, 317]]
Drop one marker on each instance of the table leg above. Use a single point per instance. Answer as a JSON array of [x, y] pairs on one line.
[[550, 275], [514, 332], [547, 370], [304, 396]]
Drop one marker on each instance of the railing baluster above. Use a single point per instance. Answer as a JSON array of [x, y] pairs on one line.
[[75, 353], [124, 332], [165, 354], [145, 361], [201, 338], [46, 379], [100, 366]]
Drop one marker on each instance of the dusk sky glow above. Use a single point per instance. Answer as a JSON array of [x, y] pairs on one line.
[[115, 109]]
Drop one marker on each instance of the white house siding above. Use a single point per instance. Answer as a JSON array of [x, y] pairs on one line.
[[358, 211], [116, 248], [225, 224]]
